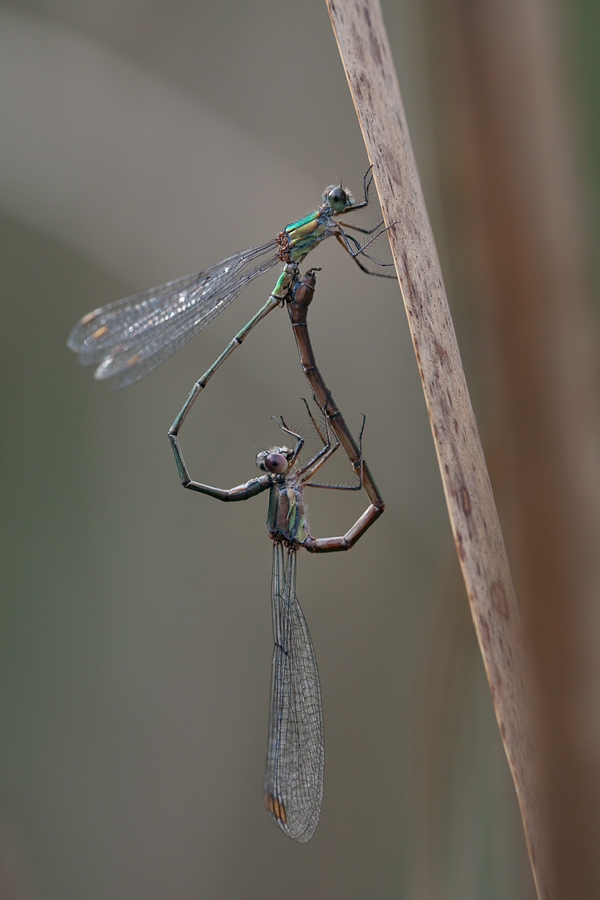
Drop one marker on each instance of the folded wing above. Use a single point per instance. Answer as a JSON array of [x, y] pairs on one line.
[[295, 755]]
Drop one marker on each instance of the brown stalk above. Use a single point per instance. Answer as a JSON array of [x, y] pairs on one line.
[[366, 57]]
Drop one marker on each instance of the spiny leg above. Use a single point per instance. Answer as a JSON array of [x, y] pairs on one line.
[[325, 440], [367, 182], [323, 454], [362, 230], [340, 487], [317, 461], [345, 239], [299, 439]]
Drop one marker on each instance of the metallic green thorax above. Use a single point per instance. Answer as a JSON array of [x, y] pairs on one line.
[[286, 520], [300, 237], [306, 233]]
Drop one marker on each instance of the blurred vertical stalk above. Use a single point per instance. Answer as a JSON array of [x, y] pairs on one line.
[[364, 49], [510, 129]]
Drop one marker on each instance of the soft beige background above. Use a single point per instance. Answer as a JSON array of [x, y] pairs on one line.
[[141, 140]]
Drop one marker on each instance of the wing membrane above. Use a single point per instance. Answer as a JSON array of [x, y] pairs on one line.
[[130, 337], [295, 755]]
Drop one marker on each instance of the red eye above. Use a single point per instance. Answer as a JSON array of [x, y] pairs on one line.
[[275, 463]]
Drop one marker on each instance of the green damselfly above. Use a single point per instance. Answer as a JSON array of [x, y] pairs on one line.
[[129, 338]]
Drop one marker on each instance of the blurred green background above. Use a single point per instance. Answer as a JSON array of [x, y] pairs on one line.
[[142, 140]]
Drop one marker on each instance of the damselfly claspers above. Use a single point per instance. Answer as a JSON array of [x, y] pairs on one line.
[[131, 337]]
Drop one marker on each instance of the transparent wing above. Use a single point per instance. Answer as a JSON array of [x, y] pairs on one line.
[[129, 338], [295, 755]]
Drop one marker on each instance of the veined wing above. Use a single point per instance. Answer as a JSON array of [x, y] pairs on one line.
[[132, 336], [295, 755]]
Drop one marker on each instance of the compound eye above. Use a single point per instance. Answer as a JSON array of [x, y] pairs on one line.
[[275, 463], [337, 199]]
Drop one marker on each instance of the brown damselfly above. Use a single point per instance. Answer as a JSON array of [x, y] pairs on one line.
[[295, 756]]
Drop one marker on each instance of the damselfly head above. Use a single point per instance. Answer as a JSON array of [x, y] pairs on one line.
[[337, 198], [275, 460]]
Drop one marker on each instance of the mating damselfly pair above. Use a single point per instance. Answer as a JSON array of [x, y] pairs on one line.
[[128, 339]]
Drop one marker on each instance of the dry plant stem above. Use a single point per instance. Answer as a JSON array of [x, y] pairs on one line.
[[366, 57]]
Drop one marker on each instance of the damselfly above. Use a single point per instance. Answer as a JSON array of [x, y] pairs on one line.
[[295, 756], [129, 338]]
